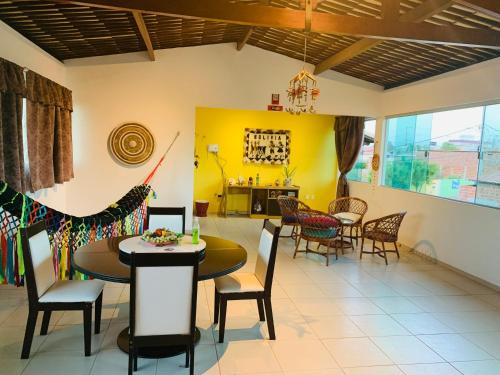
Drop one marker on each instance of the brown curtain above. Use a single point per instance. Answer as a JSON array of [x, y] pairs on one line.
[[348, 140], [12, 91], [50, 150]]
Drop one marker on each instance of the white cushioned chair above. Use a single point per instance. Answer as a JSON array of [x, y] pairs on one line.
[[255, 285], [47, 294], [173, 218], [163, 291]]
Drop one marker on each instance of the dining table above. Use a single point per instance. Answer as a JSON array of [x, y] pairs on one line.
[[104, 260]]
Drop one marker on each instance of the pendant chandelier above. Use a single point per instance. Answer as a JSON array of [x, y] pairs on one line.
[[302, 90]]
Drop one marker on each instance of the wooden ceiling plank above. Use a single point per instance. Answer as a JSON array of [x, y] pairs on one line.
[[488, 7], [426, 9], [241, 43], [308, 15], [144, 34], [269, 16]]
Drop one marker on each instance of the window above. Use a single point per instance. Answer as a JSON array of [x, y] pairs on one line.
[[451, 154], [362, 170]]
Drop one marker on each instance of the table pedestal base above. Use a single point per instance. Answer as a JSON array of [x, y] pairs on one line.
[[154, 352]]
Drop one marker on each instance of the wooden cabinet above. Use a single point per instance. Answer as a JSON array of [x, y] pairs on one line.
[[261, 200]]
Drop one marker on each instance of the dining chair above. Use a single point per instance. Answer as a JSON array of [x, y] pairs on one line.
[[163, 291], [383, 230], [256, 285], [173, 218], [47, 294], [322, 228], [351, 211], [289, 206]]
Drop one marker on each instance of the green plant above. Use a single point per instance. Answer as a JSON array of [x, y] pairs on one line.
[[288, 172]]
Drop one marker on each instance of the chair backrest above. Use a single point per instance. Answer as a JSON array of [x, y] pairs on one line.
[[38, 260], [290, 205], [389, 224], [348, 204], [266, 257], [318, 225], [163, 290], [173, 218]]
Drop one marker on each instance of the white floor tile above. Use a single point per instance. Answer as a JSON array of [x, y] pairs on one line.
[[356, 352], [478, 367], [246, 357], [429, 369], [302, 355], [453, 347], [74, 363], [406, 350], [379, 325], [374, 370], [422, 324], [332, 327]]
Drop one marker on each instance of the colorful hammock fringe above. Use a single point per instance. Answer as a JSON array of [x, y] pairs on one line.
[[66, 232]]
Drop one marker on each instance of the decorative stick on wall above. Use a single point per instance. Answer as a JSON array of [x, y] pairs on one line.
[[153, 172]]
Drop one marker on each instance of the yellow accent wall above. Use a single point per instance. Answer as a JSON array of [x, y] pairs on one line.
[[312, 150]]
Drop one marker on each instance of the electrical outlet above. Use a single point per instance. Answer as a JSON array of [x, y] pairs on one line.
[[307, 197], [213, 148], [312, 196]]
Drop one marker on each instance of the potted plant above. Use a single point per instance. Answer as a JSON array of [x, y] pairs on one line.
[[288, 173]]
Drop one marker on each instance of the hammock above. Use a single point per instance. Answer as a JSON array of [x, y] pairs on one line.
[[66, 232]]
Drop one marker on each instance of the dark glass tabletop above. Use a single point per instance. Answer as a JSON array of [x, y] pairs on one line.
[[100, 259]]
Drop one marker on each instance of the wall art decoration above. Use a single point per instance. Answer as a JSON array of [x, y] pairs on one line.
[[267, 146], [131, 144]]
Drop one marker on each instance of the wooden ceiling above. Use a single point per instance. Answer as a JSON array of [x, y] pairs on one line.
[[387, 42]]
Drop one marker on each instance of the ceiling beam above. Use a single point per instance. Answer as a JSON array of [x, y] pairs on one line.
[[417, 14], [308, 16], [285, 18], [144, 33], [241, 43], [390, 10], [489, 7]]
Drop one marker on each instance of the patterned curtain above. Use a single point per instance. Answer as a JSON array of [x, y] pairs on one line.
[[50, 150], [12, 91], [348, 140]]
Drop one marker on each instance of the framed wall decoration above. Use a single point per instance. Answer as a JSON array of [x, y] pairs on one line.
[[266, 146], [131, 144]]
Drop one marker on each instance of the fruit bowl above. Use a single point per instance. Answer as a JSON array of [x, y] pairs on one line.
[[161, 237]]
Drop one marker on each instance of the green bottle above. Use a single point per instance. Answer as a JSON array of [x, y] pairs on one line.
[[195, 232]]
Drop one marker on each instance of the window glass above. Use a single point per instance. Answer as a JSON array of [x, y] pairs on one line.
[[362, 170], [452, 154]]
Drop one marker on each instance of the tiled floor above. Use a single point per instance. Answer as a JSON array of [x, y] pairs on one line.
[[354, 318]]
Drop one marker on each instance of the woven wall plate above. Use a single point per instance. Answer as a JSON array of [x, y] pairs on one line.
[[131, 144]]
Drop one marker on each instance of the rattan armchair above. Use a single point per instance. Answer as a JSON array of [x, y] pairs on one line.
[[350, 211], [289, 206], [319, 227], [383, 230]]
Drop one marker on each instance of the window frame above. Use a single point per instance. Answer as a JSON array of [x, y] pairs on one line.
[[383, 142]]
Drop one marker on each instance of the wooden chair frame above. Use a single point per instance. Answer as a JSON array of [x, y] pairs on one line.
[[384, 230], [263, 298], [136, 342], [289, 207], [35, 306], [352, 205], [334, 242], [172, 211]]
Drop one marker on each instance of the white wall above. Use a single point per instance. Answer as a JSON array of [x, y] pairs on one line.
[[14, 47], [163, 95], [462, 235]]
